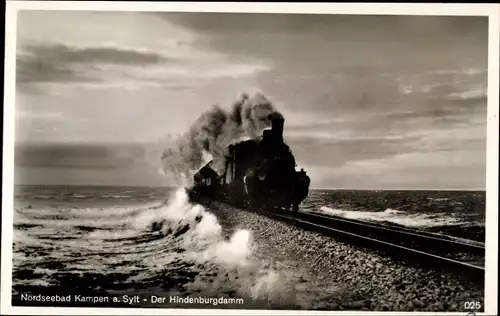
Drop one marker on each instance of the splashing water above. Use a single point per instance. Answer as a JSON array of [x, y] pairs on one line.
[[397, 217], [228, 263], [213, 131], [174, 246]]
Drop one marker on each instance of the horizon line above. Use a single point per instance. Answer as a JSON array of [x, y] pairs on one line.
[[315, 188]]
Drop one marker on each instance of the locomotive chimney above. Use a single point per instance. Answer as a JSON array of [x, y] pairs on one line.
[[277, 121]]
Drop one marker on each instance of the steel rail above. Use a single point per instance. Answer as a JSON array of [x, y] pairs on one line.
[[354, 231], [403, 231], [415, 256]]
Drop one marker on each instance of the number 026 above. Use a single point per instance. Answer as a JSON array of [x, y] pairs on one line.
[[472, 305]]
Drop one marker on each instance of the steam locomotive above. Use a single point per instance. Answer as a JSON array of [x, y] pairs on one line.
[[258, 173]]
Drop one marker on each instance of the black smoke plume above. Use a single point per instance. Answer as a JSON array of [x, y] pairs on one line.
[[213, 131]]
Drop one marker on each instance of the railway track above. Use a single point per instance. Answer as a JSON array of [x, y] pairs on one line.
[[416, 247]]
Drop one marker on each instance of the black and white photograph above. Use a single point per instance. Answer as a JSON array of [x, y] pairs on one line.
[[202, 158]]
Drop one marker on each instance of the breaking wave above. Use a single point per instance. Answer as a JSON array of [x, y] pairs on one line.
[[416, 220], [175, 246]]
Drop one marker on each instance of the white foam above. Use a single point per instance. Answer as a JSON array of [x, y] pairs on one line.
[[397, 217], [205, 243], [204, 239], [229, 262], [234, 252]]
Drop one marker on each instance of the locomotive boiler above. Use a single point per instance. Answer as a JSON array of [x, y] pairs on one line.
[[259, 172]]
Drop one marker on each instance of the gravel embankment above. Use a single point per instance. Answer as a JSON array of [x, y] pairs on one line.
[[347, 277]]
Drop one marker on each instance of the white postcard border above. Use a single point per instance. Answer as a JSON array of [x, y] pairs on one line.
[[490, 10]]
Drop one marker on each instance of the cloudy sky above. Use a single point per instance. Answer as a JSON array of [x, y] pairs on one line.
[[380, 102]]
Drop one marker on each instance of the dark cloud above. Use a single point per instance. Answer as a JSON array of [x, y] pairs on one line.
[[84, 164], [67, 54], [79, 156], [53, 62], [380, 26], [32, 70], [329, 40]]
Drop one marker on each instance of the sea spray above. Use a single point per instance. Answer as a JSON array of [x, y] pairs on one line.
[[228, 267], [420, 220], [213, 131], [203, 234]]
